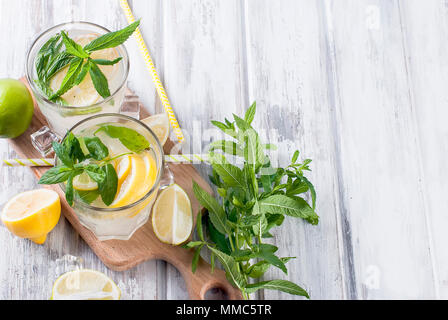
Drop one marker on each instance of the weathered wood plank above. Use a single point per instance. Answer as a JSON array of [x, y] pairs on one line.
[[288, 79], [202, 69], [378, 156], [425, 31]]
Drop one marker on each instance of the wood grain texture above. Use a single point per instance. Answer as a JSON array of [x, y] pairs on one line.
[[357, 85]]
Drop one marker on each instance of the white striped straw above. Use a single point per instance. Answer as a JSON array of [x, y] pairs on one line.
[[47, 162]]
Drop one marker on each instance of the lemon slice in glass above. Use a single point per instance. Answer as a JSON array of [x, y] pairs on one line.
[[85, 93], [134, 181], [172, 219], [32, 214], [160, 125], [122, 167], [85, 284], [83, 182]]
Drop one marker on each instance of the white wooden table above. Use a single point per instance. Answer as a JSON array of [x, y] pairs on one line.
[[359, 86]]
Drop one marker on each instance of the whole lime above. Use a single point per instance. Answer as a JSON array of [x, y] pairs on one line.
[[16, 108]]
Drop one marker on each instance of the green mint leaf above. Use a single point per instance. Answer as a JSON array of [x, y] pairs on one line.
[[250, 113], [231, 175], [72, 47], [83, 73], [104, 62], [240, 123], [69, 80], [130, 138], [108, 187], [55, 175], [44, 56], [62, 154], [112, 39], [233, 273], [73, 147], [69, 191], [274, 220], [270, 257], [96, 148], [215, 211], [250, 220], [253, 150], [99, 80], [243, 255], [196, 256], [57, 63], [258, 269], [312, 191], [260, 227], [280, 285], [225, 128], [87, 196], [218, 238], [297, 187], [295, 156], [95, 173], [295, 207], [199, 226]]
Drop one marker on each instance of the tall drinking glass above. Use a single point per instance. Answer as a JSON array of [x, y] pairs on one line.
[[122, 221], [62, 117]]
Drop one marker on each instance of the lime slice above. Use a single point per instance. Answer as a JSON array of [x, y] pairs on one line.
[[172, 218], [85, 284]]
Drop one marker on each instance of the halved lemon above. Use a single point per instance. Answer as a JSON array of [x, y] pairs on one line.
[[85, 284], [172, 219], [83, 182], [32, 214], [85, 93], [160, 125]]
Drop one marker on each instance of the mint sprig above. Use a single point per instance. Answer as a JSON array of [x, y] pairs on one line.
[[71, 154], [51, 59], [253, 199]]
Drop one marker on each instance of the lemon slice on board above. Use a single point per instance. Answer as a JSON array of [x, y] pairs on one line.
[[85, 93], [85, 284], [83, 182], [172, 219], [160, 125], [32, 214]]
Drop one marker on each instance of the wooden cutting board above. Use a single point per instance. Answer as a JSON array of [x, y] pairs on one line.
[[121, 255]]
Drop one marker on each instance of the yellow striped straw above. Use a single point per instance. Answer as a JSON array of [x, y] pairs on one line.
[[49, 162], [152, 70]]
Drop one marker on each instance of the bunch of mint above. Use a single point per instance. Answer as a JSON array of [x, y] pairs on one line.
[[253, 200]]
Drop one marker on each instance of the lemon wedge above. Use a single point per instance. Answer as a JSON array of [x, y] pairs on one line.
[[32, 214], [85, 284], [83, 182], [160, 125], [85, 93], [172, 219]]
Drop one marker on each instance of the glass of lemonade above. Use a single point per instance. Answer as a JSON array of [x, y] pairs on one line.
[[82, 100], [139, 179]]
